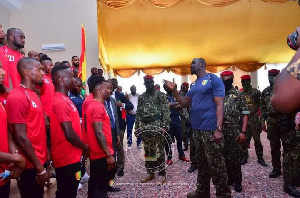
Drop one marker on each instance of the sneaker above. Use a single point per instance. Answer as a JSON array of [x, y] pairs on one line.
[[169, 162], [161, 180], [183, 158], [140, 146], [129, 147], [79, 186], [85, 178]]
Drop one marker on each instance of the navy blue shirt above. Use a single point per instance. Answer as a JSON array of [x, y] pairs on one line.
[[78, 100], [175, 114], [203, 108]]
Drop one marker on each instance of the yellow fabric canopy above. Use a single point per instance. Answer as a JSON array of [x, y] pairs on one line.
[[137, 35]]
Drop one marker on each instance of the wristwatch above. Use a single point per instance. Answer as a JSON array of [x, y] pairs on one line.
[[219, 129]]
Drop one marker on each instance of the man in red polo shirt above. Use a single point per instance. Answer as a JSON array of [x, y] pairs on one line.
[[15, 42], [102, 162], [3, 89], [66, 137], [6, 144], [26, 119]]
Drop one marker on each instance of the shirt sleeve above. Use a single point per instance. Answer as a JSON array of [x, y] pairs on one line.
[[218, 87], [97, 113], [62, 111], [17, 108], [294, 69]]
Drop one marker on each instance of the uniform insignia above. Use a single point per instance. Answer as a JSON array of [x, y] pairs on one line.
[[204, 82]]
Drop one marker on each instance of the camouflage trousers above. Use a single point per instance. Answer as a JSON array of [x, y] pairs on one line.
[[192, 148], [154, 144], [232, 152], [253, 130], [211, 164], [185, 133], [291, 148], [273, 130]]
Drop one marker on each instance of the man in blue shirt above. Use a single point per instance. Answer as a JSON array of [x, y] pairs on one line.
[[75, 95], [206, 98]]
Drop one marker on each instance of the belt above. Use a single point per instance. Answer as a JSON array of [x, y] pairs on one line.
[[150, 119]]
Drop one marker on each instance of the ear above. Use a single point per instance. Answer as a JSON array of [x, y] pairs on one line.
[[26, 73]]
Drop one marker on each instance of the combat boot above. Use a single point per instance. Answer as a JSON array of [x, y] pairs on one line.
[[291, 190], [192, 168], [244, 161], [237, 187], [261, 161], [149, 177], [195, 194], [275, 173], [161, 180]]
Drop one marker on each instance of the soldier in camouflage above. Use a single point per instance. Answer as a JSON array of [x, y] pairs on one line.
[[206, 98], [254, 128], [152, 123], [184, 116], [270, 124]]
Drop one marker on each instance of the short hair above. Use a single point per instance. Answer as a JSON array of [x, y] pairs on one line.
[[11, 31], [95, 81], [45, 58], [24, 63], [73, 57], [78, 79], [56, 69], [64, 62]]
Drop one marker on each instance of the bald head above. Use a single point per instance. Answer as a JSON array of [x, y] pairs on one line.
[[25, 63], [15, 38], [34, 54], [30, 70]]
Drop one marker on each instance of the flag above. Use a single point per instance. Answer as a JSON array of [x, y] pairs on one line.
[[82, 65]]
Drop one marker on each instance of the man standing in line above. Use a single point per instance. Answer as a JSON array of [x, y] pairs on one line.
[[65, 128], [184, 117], [152, 122], [130, 117], [252, 96], [94, 72], [26, 119], [15, 42], [34, 54], [206, 98], [75, 62], [235, 109], [270, 122]]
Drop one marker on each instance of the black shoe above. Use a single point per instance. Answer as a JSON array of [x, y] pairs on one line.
[[230, 182], [120, 172], [192, 169], [275, 173], [185, 148], [291, 190], [244, 161], [237, 187], [262, 162], [112, 189]]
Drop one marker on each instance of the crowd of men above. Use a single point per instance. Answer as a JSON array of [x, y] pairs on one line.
[[47, 119]]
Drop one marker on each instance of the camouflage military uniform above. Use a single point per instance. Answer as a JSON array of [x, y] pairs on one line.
[[184, 116], [294, 69], [273, 129], [153, 113], [254, 126], [235, 106]]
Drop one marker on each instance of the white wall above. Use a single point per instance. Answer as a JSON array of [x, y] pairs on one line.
[[51, 22], [4, 17]]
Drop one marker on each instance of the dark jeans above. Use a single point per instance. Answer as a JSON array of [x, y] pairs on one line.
[[99, 178], [130, 119], [5, 190], [175, 130], [67, 182], [28, 185]]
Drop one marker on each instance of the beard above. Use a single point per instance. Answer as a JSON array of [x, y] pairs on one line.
[[18, 45]]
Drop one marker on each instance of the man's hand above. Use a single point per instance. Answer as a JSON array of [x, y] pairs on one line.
[[241, 138], [42, 180], [15, 172], [20, 161], [119, 104], [170, 84], [86, 150], [218, 137], [111, 163], [118, 140]]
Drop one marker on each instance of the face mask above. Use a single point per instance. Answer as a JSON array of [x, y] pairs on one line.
[[228, 84]]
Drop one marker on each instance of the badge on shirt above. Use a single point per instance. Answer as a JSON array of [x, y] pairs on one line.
[[204, 82], [46, 81]]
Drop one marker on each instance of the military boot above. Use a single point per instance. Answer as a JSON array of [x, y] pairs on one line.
[[275, 173], [149, 177], [161, 180], [291, 190], [195, 194], [261, 161], [192, 168]]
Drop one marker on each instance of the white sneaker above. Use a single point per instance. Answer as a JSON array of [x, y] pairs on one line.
[[140, 146], [79, 186], [128, 147], [85, 178]]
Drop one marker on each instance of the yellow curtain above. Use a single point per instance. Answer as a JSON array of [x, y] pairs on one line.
[[217, 3], [165, 3]]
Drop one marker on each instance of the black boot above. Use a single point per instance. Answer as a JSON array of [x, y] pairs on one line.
[[244, 161], [275, 173], [238, 187], [291, 190], [262, 162], [192, 168]]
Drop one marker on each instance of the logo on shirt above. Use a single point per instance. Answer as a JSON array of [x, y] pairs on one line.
[[46, 81], [204, 82]]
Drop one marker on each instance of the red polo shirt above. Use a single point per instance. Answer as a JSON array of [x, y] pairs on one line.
[[96, 113], [47, 94], [12, 58], [3, 140], [63, 110], [24, 107]]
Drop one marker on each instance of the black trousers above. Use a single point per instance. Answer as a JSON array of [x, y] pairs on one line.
[[5, 190], [28, 185], [67, 182], [99, 178]]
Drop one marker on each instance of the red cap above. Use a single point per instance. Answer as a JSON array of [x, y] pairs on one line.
[[246, 77], [274, 71], [148, 77], [226, 73], [185, 83]]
